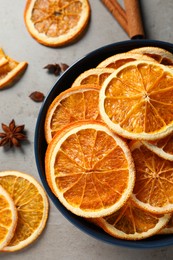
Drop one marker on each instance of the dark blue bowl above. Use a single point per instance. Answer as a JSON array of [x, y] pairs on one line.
[[89, 61]]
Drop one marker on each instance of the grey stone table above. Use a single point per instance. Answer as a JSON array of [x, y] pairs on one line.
[[61, 240]]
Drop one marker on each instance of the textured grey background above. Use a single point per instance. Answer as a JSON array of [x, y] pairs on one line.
[[61, 240]]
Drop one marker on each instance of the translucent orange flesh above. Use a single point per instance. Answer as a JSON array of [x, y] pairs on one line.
[[29, 204], [56, 18], [119, 63], [76, 107], [97, 79], [140, 99], [5, 69], [154, 178], [5, 217], [159, 58], [130, 219], [170, 223], [91, 170], [166, 144]]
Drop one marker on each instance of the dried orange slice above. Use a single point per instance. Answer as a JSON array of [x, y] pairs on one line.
[[93, 76], [120, 59], [10, 70], [133, 223], [55, 23], [74, 104], [162, 147], [136, 101], [153, 190], [8, 218], [32, 207], [89, 169], [159, 54]]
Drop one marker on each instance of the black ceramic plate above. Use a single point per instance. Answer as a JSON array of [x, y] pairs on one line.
[[90, 61]]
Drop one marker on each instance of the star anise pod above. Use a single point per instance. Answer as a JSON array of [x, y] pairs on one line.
[[56, 68], [37, 96], [63, 66], [53, 69], [12, 135]]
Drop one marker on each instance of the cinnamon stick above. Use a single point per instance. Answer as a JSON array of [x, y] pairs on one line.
[[119, 8], [134, 19], [118, 12]]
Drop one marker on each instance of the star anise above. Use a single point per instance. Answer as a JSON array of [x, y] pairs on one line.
[[12, 135], [56, 68], [37, 96]]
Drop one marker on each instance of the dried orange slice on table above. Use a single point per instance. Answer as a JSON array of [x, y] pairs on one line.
[[55, 23], [32, 206], [153, 190], [8, 218], [73, 104], [89, 169], [136, 101], [133, 223], [10, 70]]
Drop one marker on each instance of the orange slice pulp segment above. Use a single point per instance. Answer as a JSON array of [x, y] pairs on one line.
[[93, 76], [162, 147], [159, 54]]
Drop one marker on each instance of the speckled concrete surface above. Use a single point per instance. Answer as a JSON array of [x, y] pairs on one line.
[[61, 240]]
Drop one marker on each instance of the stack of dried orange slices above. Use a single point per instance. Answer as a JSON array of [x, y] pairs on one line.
[[109, 155], [23, 210]]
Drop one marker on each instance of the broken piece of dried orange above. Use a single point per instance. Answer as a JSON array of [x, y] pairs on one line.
[[10, 70]]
